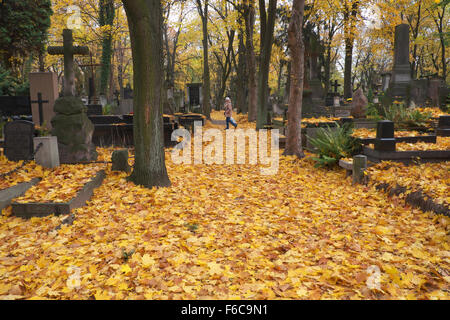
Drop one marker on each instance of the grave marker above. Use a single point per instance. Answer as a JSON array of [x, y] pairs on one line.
[[71, 124], [45, 83], [68, 50], [19, 140], [443, 129], [385, 140]]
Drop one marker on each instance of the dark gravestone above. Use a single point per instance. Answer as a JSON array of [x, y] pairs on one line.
[[194, 94], [443, 129], [19, 140], [329, 100], [385, 140], [94, 110], [127, 92]]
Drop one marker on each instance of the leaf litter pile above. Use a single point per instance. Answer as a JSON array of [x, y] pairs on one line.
[[60, 185], [228, 232]]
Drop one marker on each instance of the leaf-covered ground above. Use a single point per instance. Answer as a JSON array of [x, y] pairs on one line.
[[225, 232], [431, 178]]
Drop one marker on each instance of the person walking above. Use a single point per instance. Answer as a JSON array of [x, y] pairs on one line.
[[229, 113]]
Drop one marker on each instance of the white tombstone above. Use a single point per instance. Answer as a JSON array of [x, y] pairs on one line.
[[47, 155]]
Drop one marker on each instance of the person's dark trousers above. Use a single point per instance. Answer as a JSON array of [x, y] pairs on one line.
[[229, 120]]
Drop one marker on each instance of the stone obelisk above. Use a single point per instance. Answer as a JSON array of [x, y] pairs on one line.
[[401, 78]]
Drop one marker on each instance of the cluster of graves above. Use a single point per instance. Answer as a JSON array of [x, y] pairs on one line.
[[396, 84], [116, 130], [75, 128]]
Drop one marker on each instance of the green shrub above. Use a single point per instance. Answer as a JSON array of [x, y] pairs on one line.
[[2, 124], [333, 144], [12, 86], [405, 117], [107, 109], [373, 112]]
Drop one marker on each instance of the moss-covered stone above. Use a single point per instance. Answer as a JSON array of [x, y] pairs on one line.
[[119, 160], [74, 131], [69, 106]]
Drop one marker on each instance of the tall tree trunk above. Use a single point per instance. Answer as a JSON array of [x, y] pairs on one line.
[[280, 75], [241, 70], [249, 15], [111, 86], [443, 47], [267, 28], [288, 80], [145, 24], [350, 21], [348, 87], [203, 11], [106, 19], [297, 50]]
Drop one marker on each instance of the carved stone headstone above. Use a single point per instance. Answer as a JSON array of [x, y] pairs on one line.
[[45, 83], [19, 140], [194, 94], [359, 104]]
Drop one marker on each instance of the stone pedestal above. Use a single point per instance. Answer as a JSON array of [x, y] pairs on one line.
[[48, 154], [47, 84], [74, 131], [336, 101], [94, 110], [359, 167]]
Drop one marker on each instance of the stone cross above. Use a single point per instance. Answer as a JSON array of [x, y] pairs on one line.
[[40, 103], [68, 50], [336, 85]]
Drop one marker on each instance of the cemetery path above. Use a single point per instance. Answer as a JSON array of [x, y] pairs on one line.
[[223, 232]]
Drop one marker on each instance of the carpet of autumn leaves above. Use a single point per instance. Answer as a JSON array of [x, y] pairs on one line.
[[228, 232]]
